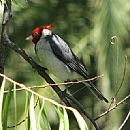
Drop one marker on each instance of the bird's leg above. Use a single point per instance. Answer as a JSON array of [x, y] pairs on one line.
[[66, 86], [41, 68]]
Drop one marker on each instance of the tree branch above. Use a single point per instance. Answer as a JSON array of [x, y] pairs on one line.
[[7, 42], [6, 16], [114, 107]]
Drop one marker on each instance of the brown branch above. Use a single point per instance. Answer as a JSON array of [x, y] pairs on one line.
[[40, 70], [114, 107], [6, 15]]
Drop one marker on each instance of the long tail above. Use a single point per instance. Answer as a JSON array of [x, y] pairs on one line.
[[96, 92]]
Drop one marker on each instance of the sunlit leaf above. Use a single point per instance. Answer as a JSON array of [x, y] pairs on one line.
[[61, 119], [80, 120], [1, 100], [66, 119], [32, 114]]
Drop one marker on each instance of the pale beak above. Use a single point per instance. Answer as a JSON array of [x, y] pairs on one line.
[[29, 38]]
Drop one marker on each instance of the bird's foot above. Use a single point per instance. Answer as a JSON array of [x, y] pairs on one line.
[[40, 68], [64, 91]]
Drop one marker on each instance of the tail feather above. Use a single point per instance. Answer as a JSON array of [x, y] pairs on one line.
[[96, 92]]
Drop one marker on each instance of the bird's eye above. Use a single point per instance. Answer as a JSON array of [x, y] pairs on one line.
[[35, 35]]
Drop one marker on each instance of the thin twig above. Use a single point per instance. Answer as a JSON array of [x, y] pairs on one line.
[[115, 106], [59, 84], [126, 119], [122, 81], [113, 99]]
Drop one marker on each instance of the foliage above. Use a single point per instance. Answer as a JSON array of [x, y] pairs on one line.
[[88, 27], [35, 123]]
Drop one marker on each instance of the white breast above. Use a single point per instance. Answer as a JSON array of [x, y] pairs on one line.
[[52, 63]]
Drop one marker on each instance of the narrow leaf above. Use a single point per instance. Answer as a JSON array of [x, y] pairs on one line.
[[45, 119], [15, 107], [26, 110], [80, 120], [28, 123], [61, 118], [1, 101], [27, 102], [39, 116], [66, 119], [32, 114], [6, 107]]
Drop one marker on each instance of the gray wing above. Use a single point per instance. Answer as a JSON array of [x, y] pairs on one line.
[[65, 54]]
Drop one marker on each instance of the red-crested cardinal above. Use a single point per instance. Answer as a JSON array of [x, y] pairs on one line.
[[55, 55]]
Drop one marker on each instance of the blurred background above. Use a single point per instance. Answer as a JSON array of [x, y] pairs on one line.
[[98, 33]]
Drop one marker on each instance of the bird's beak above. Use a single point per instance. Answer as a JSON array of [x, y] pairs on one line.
[[29, 38]]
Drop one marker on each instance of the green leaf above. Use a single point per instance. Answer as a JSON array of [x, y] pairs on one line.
[[80, 120], [27, 102], [39, 116], [1, 101], [26, 109], [61, 118], [45, 118], [15, 106], [66, 119], [6, 107], [28, 123], [32, 114]]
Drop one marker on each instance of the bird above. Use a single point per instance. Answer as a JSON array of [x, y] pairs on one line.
[[56, 55]]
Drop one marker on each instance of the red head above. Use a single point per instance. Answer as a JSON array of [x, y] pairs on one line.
[[49, 27], [37, 32]]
